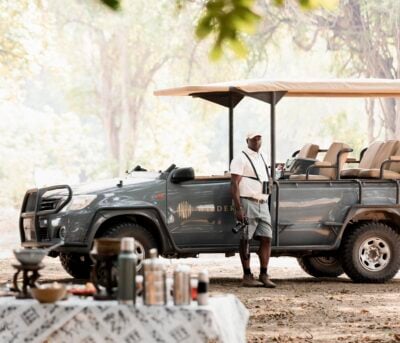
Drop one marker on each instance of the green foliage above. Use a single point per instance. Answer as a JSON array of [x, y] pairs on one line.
[[44, 148], [114, 4], [228, 20], [86, 72], [15, 33], [313, 4], [339, 127]]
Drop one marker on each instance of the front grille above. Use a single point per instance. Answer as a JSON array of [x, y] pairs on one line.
[[30, 202], [49, 204], [43, 234]]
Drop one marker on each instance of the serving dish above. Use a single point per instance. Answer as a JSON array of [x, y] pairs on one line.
[[49, 293]]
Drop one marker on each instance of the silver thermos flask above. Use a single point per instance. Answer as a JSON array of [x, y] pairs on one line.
[[182, 287], [127, 272], [154, 280]]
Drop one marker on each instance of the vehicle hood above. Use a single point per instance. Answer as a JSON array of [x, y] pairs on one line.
[[111, 184]]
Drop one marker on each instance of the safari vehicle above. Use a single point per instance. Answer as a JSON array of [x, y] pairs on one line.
[[333, 219]]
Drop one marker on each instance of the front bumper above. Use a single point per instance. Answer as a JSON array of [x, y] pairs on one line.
[[42, 224]]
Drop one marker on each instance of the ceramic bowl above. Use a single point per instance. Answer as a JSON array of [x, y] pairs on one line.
[[49, 293], [30, 256]]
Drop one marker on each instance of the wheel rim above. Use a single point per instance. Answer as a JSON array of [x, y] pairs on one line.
[[140, 254], [374, 254]]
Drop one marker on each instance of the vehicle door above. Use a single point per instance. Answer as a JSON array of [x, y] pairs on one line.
[[200, 212], [311, 212]]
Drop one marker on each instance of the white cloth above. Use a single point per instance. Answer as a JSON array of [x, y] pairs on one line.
[[86, 321], [240, 165]]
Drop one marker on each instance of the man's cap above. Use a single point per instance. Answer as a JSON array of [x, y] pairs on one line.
[[253, 134]]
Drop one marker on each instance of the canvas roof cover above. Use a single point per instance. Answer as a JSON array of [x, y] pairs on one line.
[[312, 88]]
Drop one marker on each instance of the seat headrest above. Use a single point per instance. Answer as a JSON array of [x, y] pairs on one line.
[[309, 151]]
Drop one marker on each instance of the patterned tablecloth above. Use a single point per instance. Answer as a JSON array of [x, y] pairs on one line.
[[85, 320]]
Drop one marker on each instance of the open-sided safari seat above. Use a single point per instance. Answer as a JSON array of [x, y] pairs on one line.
[[386, 164], [329, 168], [301, 160], [307, 151], [366, 161]]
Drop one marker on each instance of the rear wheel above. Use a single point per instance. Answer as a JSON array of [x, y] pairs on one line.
[[371, 253], [76, 265], [321, 266]]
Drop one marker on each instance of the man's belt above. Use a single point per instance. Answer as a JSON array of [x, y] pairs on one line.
[[258, 201]]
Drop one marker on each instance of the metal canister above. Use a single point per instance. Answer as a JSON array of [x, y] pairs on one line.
[[154, 280], [127, 272], [202, 288], [182, 289]]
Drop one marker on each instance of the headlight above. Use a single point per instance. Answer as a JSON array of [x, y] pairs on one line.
[[79, 202]]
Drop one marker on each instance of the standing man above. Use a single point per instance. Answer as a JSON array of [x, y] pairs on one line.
[[249, 171]]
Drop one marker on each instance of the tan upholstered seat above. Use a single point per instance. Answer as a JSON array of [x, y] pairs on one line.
[[392, 170], [310, 177], [375, 174], [308, 151], [395, 166], [365, 163], [330, 159]]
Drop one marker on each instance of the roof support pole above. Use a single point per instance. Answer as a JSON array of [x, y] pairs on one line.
[[230, 128], [272, 136]]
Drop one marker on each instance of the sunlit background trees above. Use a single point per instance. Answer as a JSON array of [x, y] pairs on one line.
[[77, 79]]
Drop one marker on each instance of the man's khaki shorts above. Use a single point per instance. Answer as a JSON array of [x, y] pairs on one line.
[[258, 218]]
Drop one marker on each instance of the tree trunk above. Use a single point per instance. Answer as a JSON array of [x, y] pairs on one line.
[[369, 46], [389, 113], [370, 109], [124, 105], [105, 94], [397, 115]]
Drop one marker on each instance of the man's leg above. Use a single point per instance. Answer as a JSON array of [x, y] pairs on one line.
[[243, 258], [248, 279], [264, 233], [264, 252]]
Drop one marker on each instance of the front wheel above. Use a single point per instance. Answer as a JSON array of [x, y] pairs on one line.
[[371, 253], [321, 266], [76, 265], [144, 240]]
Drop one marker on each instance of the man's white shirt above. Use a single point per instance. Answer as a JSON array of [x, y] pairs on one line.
[[240, 165]]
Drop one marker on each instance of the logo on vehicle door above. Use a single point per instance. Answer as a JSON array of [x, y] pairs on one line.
[[185, 209]]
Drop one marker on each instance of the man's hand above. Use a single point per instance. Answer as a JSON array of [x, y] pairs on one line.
[[240, 217]]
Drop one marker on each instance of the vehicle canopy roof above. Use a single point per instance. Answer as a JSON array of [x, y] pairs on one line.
[[229, 94], [311, 88]]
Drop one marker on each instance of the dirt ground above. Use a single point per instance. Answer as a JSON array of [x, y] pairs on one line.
[[300, 309]]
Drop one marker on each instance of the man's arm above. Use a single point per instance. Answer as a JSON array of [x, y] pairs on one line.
[[235, 180]]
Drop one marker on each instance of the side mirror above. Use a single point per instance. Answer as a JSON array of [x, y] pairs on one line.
[[182, 174]]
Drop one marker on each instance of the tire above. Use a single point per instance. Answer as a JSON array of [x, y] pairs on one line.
[[321, 266], [144, 240], [371, 253], [77, 265]]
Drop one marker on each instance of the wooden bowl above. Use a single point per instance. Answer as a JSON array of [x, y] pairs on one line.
[[49, 293], [107, 246]]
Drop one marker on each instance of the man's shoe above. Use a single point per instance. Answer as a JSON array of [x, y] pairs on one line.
[[250, 281], [266, 281]]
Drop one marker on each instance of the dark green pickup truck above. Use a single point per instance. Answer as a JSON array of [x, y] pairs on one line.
[[332, 219]]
